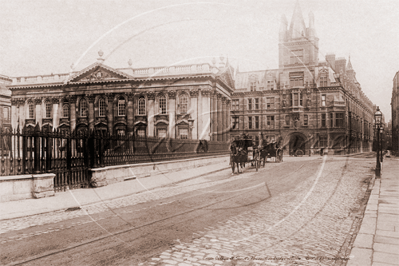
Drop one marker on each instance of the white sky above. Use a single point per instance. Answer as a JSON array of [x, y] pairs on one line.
[[47, 36]]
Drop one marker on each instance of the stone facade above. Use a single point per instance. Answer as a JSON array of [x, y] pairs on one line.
[[309, 104], [188, 101], [5, 102], [395, 114]]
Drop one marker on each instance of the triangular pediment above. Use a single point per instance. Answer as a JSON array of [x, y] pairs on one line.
[[98, 72]]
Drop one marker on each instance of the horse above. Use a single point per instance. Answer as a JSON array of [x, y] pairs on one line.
[[236, 158], [272, 150]]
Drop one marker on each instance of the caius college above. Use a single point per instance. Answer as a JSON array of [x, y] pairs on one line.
[[310, 104]]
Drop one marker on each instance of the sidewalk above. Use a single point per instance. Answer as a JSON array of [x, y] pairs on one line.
[[81, 197], [377, 242]]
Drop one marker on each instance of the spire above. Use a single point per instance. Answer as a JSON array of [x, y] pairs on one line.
[[349, 66], [297, 27]]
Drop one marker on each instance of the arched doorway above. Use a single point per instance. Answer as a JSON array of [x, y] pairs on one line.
[[297, 144]]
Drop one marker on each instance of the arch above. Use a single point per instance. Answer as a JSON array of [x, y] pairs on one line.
[[296, 141], [141, 105]]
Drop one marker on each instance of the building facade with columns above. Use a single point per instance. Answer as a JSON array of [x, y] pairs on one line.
[[310, 104], [5, 102], [185, 101]]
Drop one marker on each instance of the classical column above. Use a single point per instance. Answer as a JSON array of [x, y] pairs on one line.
[[56, 113], [205, 114], [130, 114], [172, 113], [194, 114], [228, 116], [214, 113], [224, 119], [200, 115], [219, 118], [39, 107], [150, 112], [91, 111], [72, 112], [110, 113]]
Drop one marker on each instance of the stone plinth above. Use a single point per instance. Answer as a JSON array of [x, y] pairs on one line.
[[43, 185]]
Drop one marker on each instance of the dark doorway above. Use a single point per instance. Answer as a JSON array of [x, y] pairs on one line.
[[297, 145]]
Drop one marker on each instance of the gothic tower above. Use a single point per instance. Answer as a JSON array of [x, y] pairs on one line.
[[298, 45]]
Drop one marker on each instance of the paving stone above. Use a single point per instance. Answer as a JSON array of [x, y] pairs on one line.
[[364, 241], [386, 258], [386, 248]]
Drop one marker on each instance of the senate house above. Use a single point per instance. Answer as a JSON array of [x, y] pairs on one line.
[[309, 103]]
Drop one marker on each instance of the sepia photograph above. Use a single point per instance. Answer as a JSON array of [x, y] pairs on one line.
[[189, 132]]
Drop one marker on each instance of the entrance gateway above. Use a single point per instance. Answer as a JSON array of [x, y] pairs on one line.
[[297, 144]]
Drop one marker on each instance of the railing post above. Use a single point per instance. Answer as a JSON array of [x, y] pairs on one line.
[[48, 149], [36, 158], [68, 152]]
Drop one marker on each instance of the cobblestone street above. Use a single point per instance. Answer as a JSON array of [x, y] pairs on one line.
[[308, 229], [307, 221]]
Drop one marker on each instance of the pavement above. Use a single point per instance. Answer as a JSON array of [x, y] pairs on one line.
[[377, 242], [82, 197]]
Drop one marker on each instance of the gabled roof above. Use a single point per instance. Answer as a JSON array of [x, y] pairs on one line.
[[98, 72]]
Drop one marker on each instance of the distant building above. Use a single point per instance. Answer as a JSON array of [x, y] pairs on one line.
[[310, 104], [5, 103], [395, 113], [184, 101]]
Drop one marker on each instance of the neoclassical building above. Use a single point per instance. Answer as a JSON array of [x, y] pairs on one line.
[[395, 114], [5, 102], [311, 104], [184, 101]]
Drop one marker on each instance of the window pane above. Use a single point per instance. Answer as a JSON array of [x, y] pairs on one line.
[[142, 106], [183, 104], [101, 107], [162, 105], [65, 111], [83, 108], [49, 108], [183, 133], [121, 107], [31, 111]]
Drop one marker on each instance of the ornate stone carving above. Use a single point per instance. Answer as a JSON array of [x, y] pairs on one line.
[[55, 100], [206, 92], [38, 101], [90, 98], [72, 99], [47, 100], [110, 97], [194, 92], [172, 94], [17, 101], [151, 96], [130, 96]]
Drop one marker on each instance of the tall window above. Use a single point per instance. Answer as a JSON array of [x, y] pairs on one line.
[[295, 95], [323, 81], [31, 111], [296, 57], [256, 103], [183, 103], [323, 120], [323, 100], [270, 103], [83, 108], [161, 132], [270, 122], [141, 132], [183, 133], [65, 110], [49, 109], [121, 107], [141, 107], [235, 104], [331, 119], [305, 120], [162, 104], [249, 122], [339, 119], [287, 120], [296, 79], [249, 104], [256, 122], [253, 86], [102, 107]]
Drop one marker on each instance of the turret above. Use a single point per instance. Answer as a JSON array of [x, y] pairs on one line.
[[297, 27]]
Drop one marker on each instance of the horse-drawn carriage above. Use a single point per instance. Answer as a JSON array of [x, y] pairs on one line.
[[245, 150]]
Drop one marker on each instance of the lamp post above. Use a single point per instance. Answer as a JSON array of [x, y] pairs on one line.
[[191, 126], [378, 117], [381, 141]]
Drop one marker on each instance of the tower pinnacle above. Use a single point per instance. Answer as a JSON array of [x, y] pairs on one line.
[[297, 27]]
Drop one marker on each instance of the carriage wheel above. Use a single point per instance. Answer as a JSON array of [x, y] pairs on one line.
[[299, 153]]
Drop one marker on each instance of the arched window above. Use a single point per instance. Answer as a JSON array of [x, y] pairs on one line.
[[121, 107], [65, 111], [101, 107], [162, 104], [83, 108], [31, 111], [142, 105], [183, 103]]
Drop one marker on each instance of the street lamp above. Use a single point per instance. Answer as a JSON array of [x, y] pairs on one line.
[[381, 146], [191, 126], [378, 117]]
